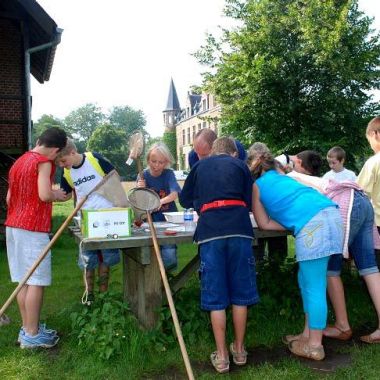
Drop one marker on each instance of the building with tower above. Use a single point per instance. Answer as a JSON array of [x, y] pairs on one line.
[[200, 111]]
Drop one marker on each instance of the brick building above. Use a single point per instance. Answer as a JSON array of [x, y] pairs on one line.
[[28, 40], [200, 111]]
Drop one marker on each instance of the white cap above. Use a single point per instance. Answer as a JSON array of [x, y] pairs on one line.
[[285, 160]]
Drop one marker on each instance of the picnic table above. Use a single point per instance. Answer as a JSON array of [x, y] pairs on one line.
[[142, 285]]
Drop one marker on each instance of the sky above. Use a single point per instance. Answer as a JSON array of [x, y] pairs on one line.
[[125, 52]]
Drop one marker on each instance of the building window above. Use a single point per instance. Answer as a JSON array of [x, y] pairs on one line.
[[183, 137], [188, 135], [188, 112], [204, 124], [204, 105], [193, 134], [199, 126]]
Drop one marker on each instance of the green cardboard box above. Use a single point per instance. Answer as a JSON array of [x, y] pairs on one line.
[[106, 223]]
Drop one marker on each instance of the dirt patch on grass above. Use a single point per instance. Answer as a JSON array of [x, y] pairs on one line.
[[335, 358]]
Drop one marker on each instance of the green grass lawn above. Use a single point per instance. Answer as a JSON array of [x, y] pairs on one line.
[[155, 355]]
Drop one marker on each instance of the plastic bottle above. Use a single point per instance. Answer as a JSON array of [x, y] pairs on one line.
[[188, 220]]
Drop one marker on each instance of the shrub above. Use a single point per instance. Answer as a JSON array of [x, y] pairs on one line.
[[105, 327]]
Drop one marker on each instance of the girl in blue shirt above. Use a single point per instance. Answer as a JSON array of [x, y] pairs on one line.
[[161, 179], [280, 202]]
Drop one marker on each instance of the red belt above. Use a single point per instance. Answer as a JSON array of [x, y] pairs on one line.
[[227, 202]]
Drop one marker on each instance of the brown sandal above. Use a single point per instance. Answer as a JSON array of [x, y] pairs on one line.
[[368, 339], [342, 334]]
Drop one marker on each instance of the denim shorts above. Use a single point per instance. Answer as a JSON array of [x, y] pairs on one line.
[[360, 241], [91, 259], [228, 273], [322, 236]]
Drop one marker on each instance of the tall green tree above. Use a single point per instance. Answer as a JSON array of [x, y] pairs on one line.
[[127, 118], [82, 122], [295, 74], [109, 141], [43, 123]]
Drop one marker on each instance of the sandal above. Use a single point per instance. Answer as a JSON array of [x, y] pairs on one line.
[[287, 339], [369, 339], [239, 358], [301, 348], [342, 334], [220, 365]]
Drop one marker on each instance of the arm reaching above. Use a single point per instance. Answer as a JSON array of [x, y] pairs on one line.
[[263, 220], [45, 192]]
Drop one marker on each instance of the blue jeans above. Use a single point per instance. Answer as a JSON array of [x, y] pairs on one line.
[[169, 256], [228, 273], [91, 259], [360, 241], [312, 281]]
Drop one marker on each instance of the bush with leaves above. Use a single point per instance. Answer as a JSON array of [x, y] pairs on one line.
[[105, 327]]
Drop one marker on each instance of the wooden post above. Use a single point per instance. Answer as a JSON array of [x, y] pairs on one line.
[[142, 285]]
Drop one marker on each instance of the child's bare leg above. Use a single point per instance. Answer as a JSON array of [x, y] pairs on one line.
[[315, 338], [218, 322], [373, 284], [103, 272], [33, 305], [239, 317], [90, 276], [21, 303], [306, 331], [304, 335], [335, 290]]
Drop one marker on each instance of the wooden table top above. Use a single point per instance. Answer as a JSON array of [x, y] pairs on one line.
[[142, 238]]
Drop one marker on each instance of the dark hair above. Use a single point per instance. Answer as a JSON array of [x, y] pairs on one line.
[[53, 138], [337, 152], [311, 161]]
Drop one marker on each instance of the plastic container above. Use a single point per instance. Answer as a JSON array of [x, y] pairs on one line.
[[188, 220]]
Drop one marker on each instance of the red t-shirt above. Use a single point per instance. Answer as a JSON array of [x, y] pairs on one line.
[[25, 209]]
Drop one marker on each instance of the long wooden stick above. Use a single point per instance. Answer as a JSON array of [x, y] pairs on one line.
[[170, 299], [51, 243]]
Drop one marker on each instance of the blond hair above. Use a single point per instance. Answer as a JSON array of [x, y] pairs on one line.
[[373, 125], [255, 151], [69, 148], [161, 148], [224, 145]]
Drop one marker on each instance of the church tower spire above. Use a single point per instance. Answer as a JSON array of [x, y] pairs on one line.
[[173, 108]]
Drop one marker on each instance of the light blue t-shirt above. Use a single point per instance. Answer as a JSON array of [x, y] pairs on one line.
[[288, 202]]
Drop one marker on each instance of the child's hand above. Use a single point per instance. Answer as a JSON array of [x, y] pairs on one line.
[[59, 195], [141, 183]]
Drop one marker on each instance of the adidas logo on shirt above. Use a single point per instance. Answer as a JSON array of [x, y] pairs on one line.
[[84, 179]]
